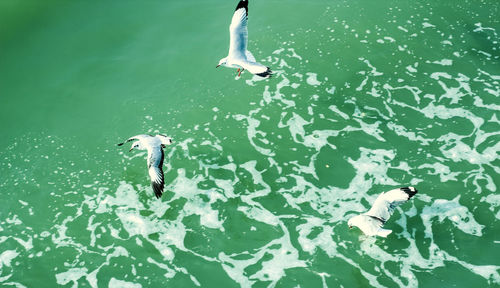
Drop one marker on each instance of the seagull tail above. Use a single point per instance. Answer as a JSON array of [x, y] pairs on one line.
[[266, 74], [383, 232]]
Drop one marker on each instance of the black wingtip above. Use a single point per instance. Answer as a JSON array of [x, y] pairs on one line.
[[158, 189], [267, 74], [120, 144], [411, 191], [242, 4]]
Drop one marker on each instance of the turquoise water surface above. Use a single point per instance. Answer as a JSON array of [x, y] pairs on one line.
[[264, 173]]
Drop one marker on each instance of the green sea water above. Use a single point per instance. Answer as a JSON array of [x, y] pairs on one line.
[[263, 174]]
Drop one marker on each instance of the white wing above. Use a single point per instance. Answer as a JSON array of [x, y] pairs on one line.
[[388, 201], [165, 140], [238, 31], [155, 169], [370, 225], [250, 57]]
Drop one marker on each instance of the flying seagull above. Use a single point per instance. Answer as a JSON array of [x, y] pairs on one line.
[[371, 222], [239, 57], [154, 145]]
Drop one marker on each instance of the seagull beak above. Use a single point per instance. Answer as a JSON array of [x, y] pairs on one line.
[[130, 149], [217, 66], [350, 227]]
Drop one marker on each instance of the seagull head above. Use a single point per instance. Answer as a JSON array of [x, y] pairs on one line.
[[353, 222], [222, 61]]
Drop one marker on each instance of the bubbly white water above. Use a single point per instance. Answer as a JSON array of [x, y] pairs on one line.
[[291, 181]]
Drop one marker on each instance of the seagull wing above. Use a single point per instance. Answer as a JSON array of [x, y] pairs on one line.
[[386, 202], [250, 57], [165, 140], [370, 225], [155, 169], [136, 137], [238, 31]]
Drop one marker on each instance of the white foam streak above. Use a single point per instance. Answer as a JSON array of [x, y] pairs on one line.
[[253, 133], [115, 283], [452, 210], [72, 275], [284, 256], [312, 79], [7, 256]]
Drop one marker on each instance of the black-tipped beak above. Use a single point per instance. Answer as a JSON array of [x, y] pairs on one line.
[[217, 66], [130, 149]]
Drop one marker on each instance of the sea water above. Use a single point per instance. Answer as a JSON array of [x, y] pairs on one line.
[[263, 174]]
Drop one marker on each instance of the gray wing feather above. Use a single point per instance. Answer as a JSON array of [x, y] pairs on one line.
[[250, 57]]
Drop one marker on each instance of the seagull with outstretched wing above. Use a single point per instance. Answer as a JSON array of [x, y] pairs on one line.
[[154, 145], [372, 221], [239, 57]]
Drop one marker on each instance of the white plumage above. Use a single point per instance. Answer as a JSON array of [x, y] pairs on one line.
[[238, 56], [154, 145], [372, 221]]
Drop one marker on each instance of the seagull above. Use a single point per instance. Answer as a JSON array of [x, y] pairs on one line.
[[371, 222], [239, 57], [154, 145]]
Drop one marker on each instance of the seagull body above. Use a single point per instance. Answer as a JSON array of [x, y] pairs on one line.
[[154, 145], [239, 57], [371, 222]]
